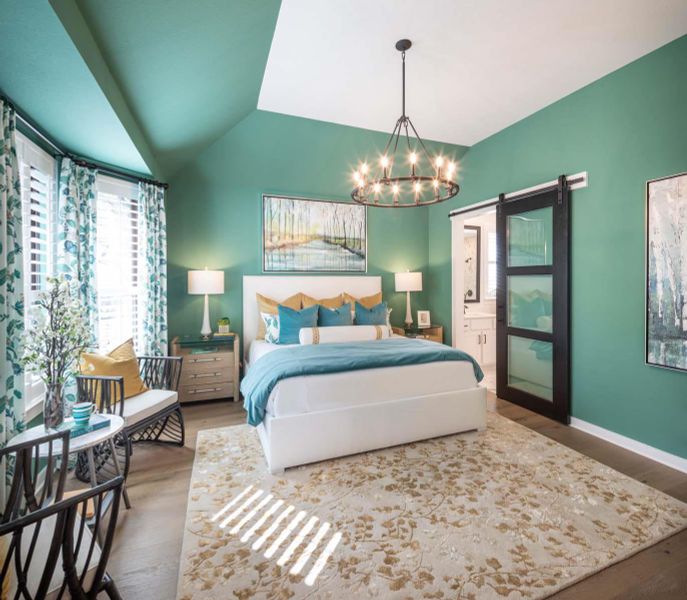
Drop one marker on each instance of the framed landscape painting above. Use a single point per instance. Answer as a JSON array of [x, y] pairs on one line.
[[302, 235], [666, 272]]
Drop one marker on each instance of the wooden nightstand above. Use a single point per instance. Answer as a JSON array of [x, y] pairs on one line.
[[435, 333], [210, 370]]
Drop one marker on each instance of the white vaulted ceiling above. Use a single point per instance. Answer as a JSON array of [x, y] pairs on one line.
[[476, 66]]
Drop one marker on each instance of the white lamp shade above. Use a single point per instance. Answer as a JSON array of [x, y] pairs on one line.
[[206, 282], [409, 282]]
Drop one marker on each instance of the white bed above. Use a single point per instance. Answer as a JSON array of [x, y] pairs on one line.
[[346, 413]]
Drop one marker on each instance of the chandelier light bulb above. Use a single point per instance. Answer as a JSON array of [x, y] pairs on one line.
[[451, 168], [356, 176], [377, 188], [364, 168], [417, 187], [384, 161], [435, 184], [395, 188], [439, 162], [413, 158]]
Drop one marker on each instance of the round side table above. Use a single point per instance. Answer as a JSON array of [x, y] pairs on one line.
[[83, 443]]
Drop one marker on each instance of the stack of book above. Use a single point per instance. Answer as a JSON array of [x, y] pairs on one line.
[[223, 335], [96, 422]]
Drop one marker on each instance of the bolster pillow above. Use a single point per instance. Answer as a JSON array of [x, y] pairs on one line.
[[343, 333]]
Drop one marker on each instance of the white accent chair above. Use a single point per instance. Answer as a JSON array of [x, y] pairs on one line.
[[153, 416]]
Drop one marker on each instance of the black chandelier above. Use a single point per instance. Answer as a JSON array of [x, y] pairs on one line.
[[426, 181]]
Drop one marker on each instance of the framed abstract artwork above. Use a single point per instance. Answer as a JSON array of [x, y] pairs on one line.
[[301, 235], [666, 272]]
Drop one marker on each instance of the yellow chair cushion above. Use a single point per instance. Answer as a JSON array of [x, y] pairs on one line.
[[120, 362], [269, 306], [334, 302], [366, 301]]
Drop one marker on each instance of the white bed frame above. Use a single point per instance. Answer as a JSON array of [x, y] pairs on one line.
[[312, 437]]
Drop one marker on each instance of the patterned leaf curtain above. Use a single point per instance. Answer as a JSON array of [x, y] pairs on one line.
[[76, 235], [153, 257], [11, 289]]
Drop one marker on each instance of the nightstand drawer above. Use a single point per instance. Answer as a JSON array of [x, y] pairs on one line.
[[203, 377], [206, 363], [206, 391]]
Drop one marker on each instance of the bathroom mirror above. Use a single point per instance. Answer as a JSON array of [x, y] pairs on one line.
[[472, 239]]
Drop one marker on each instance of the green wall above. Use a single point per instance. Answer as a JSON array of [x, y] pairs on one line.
[[624, 129], [214, 212]]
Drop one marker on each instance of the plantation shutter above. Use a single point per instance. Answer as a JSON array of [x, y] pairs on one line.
[[37, 170], [117, 269], [37, 180]]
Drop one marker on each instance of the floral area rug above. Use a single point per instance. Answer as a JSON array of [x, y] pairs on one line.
[[505, 513]]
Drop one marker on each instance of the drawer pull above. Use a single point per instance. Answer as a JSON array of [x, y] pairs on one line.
[[205, 390], [205, 360], [201, 375]]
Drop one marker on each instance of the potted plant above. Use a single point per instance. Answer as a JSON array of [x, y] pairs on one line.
[[57, 335]]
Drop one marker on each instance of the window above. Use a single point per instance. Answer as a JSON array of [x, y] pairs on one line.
[[491, 265], [37, 170], [117, 267]]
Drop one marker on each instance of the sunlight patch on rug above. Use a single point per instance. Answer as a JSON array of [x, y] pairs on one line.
[[505, 513]]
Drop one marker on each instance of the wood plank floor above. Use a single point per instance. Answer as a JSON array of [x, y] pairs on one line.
[[145, 557]]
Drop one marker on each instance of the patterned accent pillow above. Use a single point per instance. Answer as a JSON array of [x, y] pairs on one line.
[[271, 327], [271, 307]]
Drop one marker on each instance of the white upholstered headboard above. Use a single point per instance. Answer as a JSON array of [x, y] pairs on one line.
[[280, 287]]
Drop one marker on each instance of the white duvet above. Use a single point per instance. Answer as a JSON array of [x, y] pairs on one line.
[[314, 393]]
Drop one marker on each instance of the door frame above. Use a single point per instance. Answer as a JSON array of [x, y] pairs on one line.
[[558, 198]]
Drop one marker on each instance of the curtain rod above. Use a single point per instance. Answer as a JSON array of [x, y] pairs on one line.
[[27, 122], [576, 181]]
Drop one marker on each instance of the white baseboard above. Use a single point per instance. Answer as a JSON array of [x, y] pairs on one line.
[[665, 458]]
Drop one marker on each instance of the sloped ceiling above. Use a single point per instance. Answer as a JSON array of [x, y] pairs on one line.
[[189, 70], [42, 71]]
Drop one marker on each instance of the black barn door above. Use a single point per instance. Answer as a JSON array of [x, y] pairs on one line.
[[532, 328]]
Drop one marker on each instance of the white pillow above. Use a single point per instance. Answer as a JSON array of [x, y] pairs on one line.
[[342, 333], [271, 327]]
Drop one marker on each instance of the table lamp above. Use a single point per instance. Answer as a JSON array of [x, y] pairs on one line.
[[206, 282], [408, 282]]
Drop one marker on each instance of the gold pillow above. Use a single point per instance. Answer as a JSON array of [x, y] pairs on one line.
[[334, 302], [121, 362], [269, 306], [366, 301]]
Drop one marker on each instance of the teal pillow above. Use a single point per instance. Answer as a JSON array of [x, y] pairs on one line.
[[292, 321], [331, 317], [370, 316]]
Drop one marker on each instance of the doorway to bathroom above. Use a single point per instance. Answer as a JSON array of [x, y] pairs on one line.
[[477, 336]]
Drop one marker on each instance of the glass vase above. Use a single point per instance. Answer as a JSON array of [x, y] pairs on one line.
[[53, 407]]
